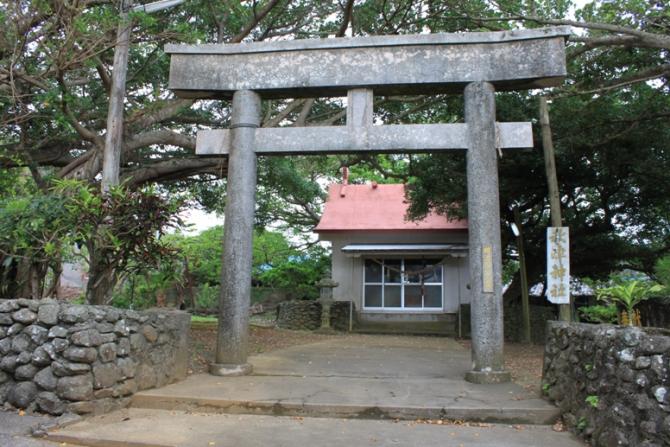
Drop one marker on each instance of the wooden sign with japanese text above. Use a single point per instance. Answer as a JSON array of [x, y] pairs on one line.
[[558, 265]]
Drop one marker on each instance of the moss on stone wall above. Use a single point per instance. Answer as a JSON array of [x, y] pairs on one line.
[[57, 357], [612, 383]]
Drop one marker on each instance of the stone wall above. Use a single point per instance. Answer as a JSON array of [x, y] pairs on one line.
[[655, 312], [610, 382], [299, 315], [539, 315], [306, 315], [339, 315], [57, 357]]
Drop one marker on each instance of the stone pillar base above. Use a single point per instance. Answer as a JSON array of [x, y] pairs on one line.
[[484, 377], [230, 369]]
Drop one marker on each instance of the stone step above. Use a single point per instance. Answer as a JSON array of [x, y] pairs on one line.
[[351, 398], [160, 428], [446, 328]]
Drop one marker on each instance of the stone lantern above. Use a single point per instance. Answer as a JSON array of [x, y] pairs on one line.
[[326, 286]]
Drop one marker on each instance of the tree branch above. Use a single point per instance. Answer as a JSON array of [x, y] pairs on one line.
[[640, 76], [166, 110], [651, 39], [174, 169], [304, 112], [254, 22], [163, 136], [81, 130], [346, 18], [278, 118]]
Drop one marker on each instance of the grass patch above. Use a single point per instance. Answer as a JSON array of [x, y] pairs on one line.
[[209, 322], [204, 322], [203, 319]]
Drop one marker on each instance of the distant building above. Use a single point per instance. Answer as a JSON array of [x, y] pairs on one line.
[[397, 272], [73, 281]]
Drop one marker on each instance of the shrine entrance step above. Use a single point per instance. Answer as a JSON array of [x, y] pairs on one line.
[[354, 390], [357, 377], [407, 323], [160, 428]]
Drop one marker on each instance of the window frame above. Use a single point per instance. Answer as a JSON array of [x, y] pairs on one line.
[[404, 281]]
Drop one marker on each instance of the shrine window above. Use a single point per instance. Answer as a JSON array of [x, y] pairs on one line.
[[403, 284]]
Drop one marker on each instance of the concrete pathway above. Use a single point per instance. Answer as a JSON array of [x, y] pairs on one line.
[[377, 387], [161, 428], [16, 430], [364, 376]]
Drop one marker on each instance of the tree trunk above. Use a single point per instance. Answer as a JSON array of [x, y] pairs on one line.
[[9, 279], [52, 290], [23, 280], [513, 291], [35, 281], [101, 282]]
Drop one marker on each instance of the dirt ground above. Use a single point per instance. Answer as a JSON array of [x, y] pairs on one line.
[[525, 364], [523, 361], [262, 339]]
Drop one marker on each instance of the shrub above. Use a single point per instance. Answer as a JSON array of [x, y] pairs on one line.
[[599, 314], [628, 294], [207, 297]]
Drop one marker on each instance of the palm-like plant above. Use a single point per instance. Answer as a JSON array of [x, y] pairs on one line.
[[629, 294]]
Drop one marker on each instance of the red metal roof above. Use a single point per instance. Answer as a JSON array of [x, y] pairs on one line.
[[376, 207]]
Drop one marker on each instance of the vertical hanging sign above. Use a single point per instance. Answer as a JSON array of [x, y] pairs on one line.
[[487, 269], [558, 265]]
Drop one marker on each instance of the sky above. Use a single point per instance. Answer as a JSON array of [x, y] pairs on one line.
[[200, 220]]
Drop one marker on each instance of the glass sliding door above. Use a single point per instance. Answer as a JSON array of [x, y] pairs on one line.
[[403, 284]]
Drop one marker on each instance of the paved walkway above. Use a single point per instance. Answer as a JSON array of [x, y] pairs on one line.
[[161, 428], [16, 430], [377, 387], [391, 377]]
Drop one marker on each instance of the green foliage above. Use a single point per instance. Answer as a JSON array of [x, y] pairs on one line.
[[296, 275], [628, 294], [202, 253], [582, 423], [139, 292], [196, 263], [592, 400], [36, 228], [203, 319], [207, 297], [612, 156], [662, 270], [118, 232], [599, 314]]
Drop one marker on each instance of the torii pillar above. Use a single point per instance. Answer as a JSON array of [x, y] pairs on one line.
[[473, 63], [233, 331], [485, 257]]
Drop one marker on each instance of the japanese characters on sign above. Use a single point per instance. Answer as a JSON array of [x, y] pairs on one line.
[[558, 265]]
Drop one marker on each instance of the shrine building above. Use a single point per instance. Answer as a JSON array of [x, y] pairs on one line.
[[402, 275]]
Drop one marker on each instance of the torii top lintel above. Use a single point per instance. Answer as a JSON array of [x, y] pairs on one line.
[[405, 64]]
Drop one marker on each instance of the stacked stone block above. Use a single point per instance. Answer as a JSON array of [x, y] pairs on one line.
[[306, 315], [299, 315], [612, 383], [57, 357]]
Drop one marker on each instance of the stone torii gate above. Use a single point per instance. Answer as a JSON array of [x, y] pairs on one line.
[[475, 63]]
